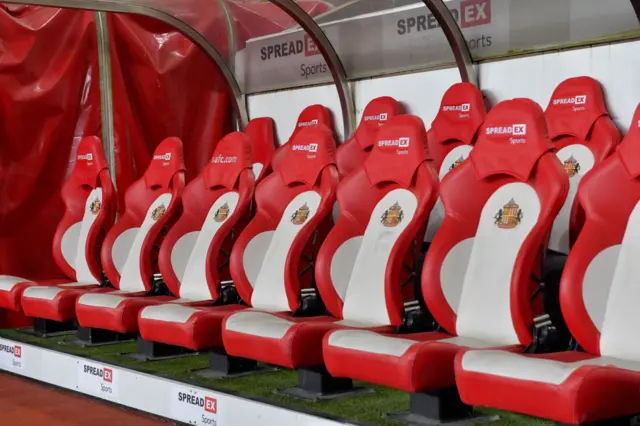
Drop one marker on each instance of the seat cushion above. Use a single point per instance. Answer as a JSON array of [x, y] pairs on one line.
[[195, 328], [56, 303], [116, 311], [276, 338], [412, 362], [568, 387], [12, 288]]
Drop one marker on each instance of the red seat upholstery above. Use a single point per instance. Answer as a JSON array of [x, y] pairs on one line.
[[311, 116], [152, 202], [599, 297], [583, 134], [451, 137], [261, 133], [352, 153], [271, 260], [90, 209], [194, 257], [476, 279]]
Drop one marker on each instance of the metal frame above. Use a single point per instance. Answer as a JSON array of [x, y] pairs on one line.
[[456, 39]]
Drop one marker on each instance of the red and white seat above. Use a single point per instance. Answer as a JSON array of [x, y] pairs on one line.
[[386, 203], [152, 202], [451, 137], [583, 134], [311, 116], [194, 257], [352, 154], [90, 209], [272, 259], [500, 206], [599, 296]]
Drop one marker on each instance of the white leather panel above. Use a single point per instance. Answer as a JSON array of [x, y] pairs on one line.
[[577, 160], [194, 282], [131, 276], [181, 252], [621, 321], [365, 300], [516, 366], [101, 300], [257, 169], [597, 283], [368, 341], [67, 285], [452, 160], [507, 218], [122, 246], [259, 324], [453, 271], [69, 244], [342, 264], [7, 282], [254, 254], [91, 211], [269, 290], [169, 313], [42, 292]]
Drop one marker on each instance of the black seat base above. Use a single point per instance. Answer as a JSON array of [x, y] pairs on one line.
[[89, 337], [154, 351], [223, 365], [315, 384]]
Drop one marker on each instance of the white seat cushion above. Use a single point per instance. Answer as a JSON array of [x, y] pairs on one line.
[[516, 366], [42, 292], [71, 285], [7, 282], [259, 324], [168, 312], [109, 300]]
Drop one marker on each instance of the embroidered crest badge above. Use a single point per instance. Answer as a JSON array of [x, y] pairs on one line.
[[158, 212], [571, 166], [456, 163], [301, 215], [509, 216], [222, 213], [95, 206], [392, 216]]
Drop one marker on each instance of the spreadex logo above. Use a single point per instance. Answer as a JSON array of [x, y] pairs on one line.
[[210, 405], [577, 100], [400, 142], [221, 159], [470, 14], [163, 157], [513, 130], [105, 374], [312, 147], [290, 48], [308, 123], [379, 117], [88, 156], [16, 350], [461, 107]]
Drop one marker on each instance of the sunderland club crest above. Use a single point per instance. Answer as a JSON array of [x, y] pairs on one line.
[[95, 206], [222, 213], [392, 216], [509, 216], [301, 215], [158, 212], [571, 166], [456, 163]]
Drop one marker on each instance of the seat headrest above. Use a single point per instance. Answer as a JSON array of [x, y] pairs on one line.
[[574, 107], [90, 161], [461, 113], [400, 147], [630, 147], [311, 116], [511, 140], [262, 138], [231, 156], [167, 160], [376, 113], [308, 153]]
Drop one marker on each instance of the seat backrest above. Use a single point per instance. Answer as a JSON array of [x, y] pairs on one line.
[[385, 204], [311, 116], [151, 204], [194, 255], [599, 293], [261, 133], [352, 153], [90, 209], [583, 134], [478, 274], [451, 137], [292, 204]]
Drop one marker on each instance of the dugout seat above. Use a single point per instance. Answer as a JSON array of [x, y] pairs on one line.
[[598, 381], [90, 209], [152, 204], [477, 277]]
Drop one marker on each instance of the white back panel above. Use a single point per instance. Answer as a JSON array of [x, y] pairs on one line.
[[131, 276], [457, 154], [453, 271], [365, 300], [597, 283], [485, 303], [257, 169], [194, 283], [342, 264], [122, 246], [621, 321], [181, 252], [577, 160], [254, 254], [269, 290], [69, 243], [91, 210]]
